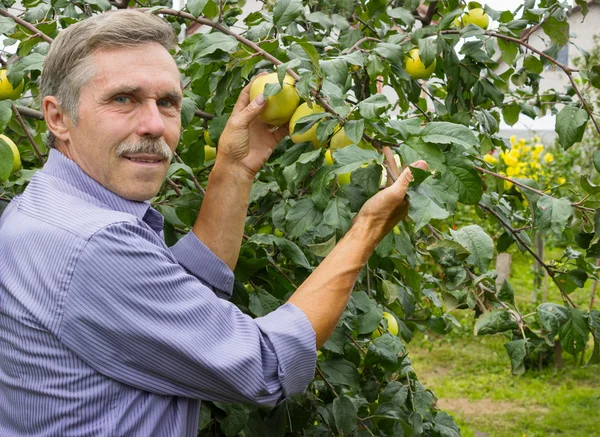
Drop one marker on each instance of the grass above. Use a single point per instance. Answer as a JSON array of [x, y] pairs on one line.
[[471, 376]]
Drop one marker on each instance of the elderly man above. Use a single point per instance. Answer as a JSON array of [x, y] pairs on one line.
[[106, 331]]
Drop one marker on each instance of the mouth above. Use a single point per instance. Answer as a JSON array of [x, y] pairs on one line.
[[144, 159]]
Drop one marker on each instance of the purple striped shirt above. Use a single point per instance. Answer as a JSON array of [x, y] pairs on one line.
[[106, 331]]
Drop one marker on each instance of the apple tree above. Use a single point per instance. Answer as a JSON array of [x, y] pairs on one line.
[[405, 81]]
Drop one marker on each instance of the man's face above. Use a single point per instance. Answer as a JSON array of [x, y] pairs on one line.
[[129, 120]]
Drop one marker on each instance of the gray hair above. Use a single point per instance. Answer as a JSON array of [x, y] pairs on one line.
[[68, 65]]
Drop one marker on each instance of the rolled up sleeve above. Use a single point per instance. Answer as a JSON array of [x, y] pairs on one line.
[[201, 262], [135, 314]]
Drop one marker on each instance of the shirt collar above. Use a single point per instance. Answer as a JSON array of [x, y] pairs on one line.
[[61, 167]]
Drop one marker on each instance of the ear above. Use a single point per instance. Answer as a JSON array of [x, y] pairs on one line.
[[57, 120]]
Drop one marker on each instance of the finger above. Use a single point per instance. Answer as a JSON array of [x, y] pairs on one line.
[[250, 112], [243, 100], [406, 178]]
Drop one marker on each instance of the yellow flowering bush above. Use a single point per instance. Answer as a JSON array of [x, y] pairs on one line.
[[525, 160]]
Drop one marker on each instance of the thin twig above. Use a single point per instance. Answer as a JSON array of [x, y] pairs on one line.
[[326, 382], [359, 42], [355, 343], [196, 183], [175, 187], [24, 127]]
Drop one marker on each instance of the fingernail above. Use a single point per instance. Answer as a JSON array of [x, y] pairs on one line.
[[260, 99], [420, 164]]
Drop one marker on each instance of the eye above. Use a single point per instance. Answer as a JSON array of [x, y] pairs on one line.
[[166, 103], [121, 99]]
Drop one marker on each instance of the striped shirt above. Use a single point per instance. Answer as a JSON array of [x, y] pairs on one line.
[[106, 331]]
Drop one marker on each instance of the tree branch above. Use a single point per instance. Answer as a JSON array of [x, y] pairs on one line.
[[551, 272], [26, 25]]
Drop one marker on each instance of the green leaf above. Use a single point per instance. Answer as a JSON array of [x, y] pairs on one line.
[[403, 15], [302, 217], [553, 214], [5, 114], [494, 322], [448, 253], [558, 31], [32, 62], [570, 125], [7, 26], [207, 44], [344, 413], [336, 70], [235, 418], [286, 11], [449, 133], [509, 50], [575, 332], [196, 7], [427, 51], [478, 243], [384, 350], [374, 106], [354, 130], [444, 424], [511, 114], [292, 252], [340, 372], [337, 214], [552, 317], [506, 293], [391, 52], [517, 351], [533, 65], [352, 157], [423, 206], [322, 249], [460, 177], [406, 128], [416, 149], [6, 160], [262, 303]]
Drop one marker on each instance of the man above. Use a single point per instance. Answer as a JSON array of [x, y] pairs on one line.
[[104, 330]]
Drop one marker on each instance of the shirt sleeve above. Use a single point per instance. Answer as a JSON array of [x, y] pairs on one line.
[[201, 262], [134, 314]]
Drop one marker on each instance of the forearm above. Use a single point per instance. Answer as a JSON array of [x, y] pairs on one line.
[[220, 223], [324, 295]]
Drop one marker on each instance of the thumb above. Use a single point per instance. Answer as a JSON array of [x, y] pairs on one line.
[[250, 112], [401, 184]]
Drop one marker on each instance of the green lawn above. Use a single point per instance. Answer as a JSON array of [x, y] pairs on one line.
[[471, 377]]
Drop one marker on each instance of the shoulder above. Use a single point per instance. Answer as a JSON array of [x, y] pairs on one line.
[[59, 207]]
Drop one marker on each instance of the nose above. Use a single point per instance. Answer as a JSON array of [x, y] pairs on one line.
[[150, 121]]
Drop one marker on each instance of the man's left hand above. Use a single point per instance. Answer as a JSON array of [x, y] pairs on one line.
[[246, 141]]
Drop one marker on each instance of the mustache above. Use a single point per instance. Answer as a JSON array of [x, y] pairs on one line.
[[152, 146]]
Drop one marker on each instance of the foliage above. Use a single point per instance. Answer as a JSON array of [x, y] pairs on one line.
[[340, 53]]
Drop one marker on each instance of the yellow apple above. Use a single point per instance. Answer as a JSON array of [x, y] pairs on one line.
[[6, 89], [328, 158], [210, 153], [279, 107], [476, 16], [415, 67], [392, 324], [310, 135], [15, 151], [340, 140]]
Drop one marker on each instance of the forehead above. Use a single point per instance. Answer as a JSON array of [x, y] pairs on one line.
[[145, 66]]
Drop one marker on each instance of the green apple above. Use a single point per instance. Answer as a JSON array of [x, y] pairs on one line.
[[266, 229], [476, 16], [392, 326], [415, 67], [311, 134], [328, 158], [279, 107], [278, 233], [15, 151], [343, 179]]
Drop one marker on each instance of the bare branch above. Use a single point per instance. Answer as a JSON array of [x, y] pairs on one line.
[[29, 137]]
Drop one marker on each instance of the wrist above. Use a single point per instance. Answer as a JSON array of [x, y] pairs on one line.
[[225, 168]]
